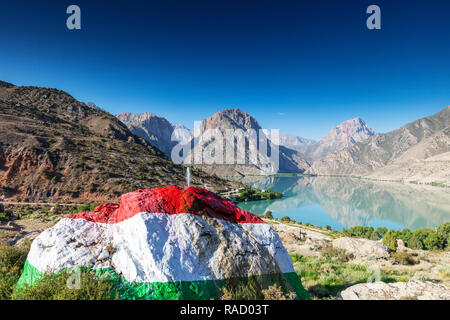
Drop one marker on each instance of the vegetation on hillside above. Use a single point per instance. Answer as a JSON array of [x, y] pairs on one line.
[[55, 148], [425, 238], [255, 194]]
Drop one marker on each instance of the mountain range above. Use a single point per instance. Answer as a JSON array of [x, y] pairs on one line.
[[416, 152], [405, 153], [55, 148], [296, 153]]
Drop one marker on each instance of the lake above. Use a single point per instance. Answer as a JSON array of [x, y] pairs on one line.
[[345, 202]]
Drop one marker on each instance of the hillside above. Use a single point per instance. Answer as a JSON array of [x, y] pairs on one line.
[[55, 148], [426, 162], [342, 136], [369, 155]]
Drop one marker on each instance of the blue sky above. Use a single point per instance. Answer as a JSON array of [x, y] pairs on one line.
[[300, 66]]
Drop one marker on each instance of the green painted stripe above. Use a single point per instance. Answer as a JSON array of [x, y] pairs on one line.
[[181, 290]]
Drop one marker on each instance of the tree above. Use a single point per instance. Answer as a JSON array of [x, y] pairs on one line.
[[434, 241], [390, 240], [414, 242], [444, 230], [268, 215]]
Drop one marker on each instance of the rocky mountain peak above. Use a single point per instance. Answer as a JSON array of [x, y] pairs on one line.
[[156, 130], [342, 136], [348, 133], [230, 119]]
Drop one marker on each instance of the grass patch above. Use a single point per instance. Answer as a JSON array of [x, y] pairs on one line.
[[55, 287], [12, 260], [325, 276]]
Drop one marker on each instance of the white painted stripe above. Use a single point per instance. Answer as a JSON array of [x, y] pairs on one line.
[[160, 247]]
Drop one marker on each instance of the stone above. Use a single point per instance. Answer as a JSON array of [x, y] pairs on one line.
[[401, 247], [414, 289], [166, 243], [361, 247]]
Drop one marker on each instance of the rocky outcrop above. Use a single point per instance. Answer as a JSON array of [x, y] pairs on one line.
[[181, 132], [361, 247], [414, 289], [342, 136], [166, 243], [156, 130]]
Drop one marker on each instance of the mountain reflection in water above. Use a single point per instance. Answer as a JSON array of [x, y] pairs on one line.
[[344, 202]]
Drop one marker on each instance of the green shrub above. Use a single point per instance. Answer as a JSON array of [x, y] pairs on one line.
[[430, 239], [360, 232], [390, 240], [414, 242], [403, 258], [381, 231], [444, 230], [434, 241], [256, 289], [268, 215], [12, 260], [92, 187], [286, 219], [54, 287], [374, 236]]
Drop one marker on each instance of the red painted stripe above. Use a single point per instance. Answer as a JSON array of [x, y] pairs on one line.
[[170, 200]]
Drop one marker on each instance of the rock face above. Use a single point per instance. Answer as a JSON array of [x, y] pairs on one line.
[[166, 243], [181, 132], [156, 130], [367, 156], [361, 247], [426, 162], [290, 161], [342, 136], [414, 289]]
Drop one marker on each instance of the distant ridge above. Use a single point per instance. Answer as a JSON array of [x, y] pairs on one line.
[[367, 156]]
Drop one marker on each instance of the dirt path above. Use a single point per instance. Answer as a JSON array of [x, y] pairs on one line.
[[37, 203]]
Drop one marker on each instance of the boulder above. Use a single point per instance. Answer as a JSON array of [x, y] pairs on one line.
[[361, 247], [414, 289], [166, 243], [401, 247]]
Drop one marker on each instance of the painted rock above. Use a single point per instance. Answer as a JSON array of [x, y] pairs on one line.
[[166, 243]]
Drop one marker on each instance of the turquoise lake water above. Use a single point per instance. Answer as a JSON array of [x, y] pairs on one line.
[[346, 202]]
